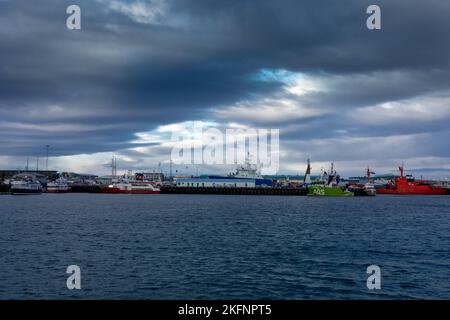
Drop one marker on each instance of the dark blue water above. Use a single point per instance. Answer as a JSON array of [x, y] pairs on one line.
[[223, 247]]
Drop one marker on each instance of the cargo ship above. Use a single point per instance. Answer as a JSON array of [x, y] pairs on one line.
[[408, 186]]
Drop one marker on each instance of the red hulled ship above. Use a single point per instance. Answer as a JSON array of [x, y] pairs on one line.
[[408, 186]]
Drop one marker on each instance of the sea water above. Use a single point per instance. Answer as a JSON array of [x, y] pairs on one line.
[[224, 247]]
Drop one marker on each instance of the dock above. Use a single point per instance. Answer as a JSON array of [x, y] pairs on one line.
[[235, 191], [85, 189]]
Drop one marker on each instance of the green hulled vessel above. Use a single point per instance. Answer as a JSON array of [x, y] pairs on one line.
[[327, 185], [318, 190]]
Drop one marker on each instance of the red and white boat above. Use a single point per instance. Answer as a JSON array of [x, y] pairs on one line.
[[408, 186], [132, 187], [58, 186]]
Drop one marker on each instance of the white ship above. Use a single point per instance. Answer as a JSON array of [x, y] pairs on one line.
[[132, 187], [22, 187], [246, 171], [58, 186]]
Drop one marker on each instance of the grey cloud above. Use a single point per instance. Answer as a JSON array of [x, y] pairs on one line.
[[119, 76]]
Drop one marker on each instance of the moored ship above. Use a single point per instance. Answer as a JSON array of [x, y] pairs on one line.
[[245, 172], [328, 186], [402, 185], [364, 189], [58, 186], [25, 187], [321, 190], [135, 187]]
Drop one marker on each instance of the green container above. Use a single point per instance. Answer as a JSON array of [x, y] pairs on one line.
[[322, 191]]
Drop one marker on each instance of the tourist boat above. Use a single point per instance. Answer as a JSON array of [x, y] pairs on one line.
[[408, 186], [58, 186], [132, 187], [328, 186], [25, 187]]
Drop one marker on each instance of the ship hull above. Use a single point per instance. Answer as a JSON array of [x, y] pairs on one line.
[[364, 193], [57, 191], [19, 192], [121, 191], [413, 191], [404, 186], [258, 181], [321, 191]]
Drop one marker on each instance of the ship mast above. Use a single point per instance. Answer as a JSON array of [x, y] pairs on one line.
[[113, 167], [307, 178], [401, 168]]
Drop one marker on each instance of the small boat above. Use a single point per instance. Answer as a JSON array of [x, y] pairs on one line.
[[25, 187], [408, 186], [58, 186]]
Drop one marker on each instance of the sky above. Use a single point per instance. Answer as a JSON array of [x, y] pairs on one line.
[[139, 70]]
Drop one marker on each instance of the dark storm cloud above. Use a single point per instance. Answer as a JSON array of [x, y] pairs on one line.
[[328, 35], [91, 90]]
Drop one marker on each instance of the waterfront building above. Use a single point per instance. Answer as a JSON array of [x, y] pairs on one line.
[[152, 176], [215, 183]]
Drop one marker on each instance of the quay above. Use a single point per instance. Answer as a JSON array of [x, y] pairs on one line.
[[274, 191], [85, 189], [4, 189]]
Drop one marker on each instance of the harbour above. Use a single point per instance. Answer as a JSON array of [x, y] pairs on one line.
[[274, 191], [246, 180], [224, 159]]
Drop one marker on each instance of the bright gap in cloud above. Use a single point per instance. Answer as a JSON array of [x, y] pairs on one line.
[[140, 11]]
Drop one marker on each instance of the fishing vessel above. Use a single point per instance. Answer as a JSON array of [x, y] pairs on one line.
[[328, 185], [25, 187], [402, 185], [58, 186]]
